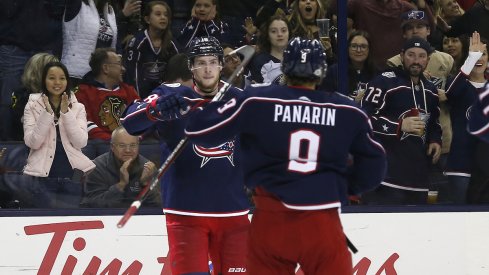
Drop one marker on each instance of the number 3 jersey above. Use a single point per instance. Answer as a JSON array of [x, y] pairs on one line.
[[296, 143], [203, 180]]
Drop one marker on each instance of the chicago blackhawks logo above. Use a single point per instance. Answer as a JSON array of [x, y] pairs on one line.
[[225, 150], [110, 112]]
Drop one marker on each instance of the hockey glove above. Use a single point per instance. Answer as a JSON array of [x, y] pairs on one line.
[[168, 107]]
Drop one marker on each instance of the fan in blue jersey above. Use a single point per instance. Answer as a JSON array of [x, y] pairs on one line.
[[461, 93], [479, 116], [404, 109], [203, 193], [295, 145]]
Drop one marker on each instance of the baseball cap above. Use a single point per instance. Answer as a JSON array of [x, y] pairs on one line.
[[414, 16], [417, 42]]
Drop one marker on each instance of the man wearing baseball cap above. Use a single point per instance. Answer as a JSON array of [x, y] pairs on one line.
[[403, 107], [416, 23]]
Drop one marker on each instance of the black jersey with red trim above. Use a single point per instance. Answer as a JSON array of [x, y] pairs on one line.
[[203, 180], [296, 143], [389, 98]]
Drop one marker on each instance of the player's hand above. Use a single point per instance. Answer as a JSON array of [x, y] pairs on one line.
[[169, 107], [414, 125], [45, 99], [65, 103], [149, 169], [124, 175], [434, 150]]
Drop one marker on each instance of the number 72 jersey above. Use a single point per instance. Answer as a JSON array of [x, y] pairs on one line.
[[296, 143]]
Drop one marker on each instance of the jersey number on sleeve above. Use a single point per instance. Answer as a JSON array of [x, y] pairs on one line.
[[306, 161], [373, 95]]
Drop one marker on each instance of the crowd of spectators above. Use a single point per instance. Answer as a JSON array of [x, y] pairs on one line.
[[112, 52]]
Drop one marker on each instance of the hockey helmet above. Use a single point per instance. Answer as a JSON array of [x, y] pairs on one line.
[[202, 46], [304, 58]]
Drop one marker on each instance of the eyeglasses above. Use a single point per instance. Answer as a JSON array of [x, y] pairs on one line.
[[359, 47], [122, 146], [231, 57]]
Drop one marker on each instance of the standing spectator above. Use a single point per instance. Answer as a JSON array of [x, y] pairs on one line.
[[27, 27], [458, 48], [104, 94], [31, 83], [55, 130], [148, 52], [272, 41], [88, 25], [203, 192], [475, 19], [297, 170], [462, 94], [128, 19], [204, 22], [120, 174], [381, 19], [404, 109], [360, 67], [415, 24], [446, 11]]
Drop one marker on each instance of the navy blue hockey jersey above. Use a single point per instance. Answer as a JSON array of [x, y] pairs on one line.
[[390, 97], [296, 143], [461, 94], [145, 66], [479, 115], [203, 180]]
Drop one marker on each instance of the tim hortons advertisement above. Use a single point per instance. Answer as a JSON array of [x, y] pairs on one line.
[[388, 243]]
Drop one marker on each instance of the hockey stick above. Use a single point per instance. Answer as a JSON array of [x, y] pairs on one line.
[[247, 52]]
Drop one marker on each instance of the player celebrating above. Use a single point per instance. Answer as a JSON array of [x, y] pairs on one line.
[[295, 146], [203, 192]]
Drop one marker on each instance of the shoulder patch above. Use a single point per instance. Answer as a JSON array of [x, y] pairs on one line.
[[131, 42], [389, 74]]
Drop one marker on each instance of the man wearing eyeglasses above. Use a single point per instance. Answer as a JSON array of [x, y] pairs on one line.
[[104, 94], [120, 175]]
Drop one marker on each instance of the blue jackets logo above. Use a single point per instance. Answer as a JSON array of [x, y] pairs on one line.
[[225, 150]]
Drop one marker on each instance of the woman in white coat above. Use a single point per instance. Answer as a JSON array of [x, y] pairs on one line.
[[55, 130], [87, 25]]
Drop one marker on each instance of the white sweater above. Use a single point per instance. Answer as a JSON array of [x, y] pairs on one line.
[[80, 37]]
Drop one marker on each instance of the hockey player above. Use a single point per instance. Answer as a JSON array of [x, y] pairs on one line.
[[295, 146], [203, 192], [404, 109]]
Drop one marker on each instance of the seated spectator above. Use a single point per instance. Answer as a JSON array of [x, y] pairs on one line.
[[128, 19], [55, 130], [120, 175], [31, 83], [180, 72], [104, 94], [474, 19], [446, 12], [265, 67], [204, 22], [148, 52], [88, 25], [360, 67]]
